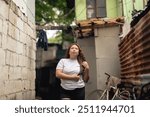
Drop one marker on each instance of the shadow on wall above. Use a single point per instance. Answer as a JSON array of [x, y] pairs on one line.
[[47, 85]]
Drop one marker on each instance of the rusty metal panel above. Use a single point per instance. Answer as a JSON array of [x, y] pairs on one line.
[[134, 51]]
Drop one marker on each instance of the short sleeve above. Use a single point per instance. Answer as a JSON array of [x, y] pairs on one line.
[[60, 64]]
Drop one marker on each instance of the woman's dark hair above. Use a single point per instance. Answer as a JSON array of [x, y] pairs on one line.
[[80, 57]]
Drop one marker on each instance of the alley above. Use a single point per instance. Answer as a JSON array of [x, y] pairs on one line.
[[114, 37]]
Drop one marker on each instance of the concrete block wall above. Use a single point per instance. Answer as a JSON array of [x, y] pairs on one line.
[[88, 48], [107, 53], [43, 57], [17, 53]]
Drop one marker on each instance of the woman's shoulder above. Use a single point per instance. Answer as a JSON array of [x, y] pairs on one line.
[[64, 59]]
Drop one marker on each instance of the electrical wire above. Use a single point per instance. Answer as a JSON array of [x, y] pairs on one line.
[[29, 9]]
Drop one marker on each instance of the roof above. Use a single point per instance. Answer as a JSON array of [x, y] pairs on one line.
[[85, 28], [136, 18]]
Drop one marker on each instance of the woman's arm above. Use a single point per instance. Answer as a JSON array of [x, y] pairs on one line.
[[86, 71], [61, 75], [86, 75]]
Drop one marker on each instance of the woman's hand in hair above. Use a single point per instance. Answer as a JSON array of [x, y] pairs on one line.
[[85, 71], [85, 65]]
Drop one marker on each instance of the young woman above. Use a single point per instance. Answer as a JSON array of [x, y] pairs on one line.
[[73, 72]]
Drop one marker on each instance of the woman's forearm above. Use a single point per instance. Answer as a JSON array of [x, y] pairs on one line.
[[86, 75], [62, 75]]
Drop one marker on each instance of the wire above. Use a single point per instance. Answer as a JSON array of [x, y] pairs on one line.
[[110, 9], [82, 9], [29, 9]]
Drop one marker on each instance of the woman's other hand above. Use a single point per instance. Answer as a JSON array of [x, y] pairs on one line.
[[75, 77], [85, 65]]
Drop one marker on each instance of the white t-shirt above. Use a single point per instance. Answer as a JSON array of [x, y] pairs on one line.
[[70, 66]]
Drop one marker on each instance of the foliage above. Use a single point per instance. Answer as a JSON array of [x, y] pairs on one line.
[[67, 36], [60, 37], [53, 12], [57, 38]]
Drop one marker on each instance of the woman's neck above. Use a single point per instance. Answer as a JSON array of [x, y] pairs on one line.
[[73, 57]]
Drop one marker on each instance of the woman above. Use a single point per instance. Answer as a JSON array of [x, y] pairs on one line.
[[73, 72]]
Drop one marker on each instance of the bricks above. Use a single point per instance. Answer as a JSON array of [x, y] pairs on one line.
[[17, 52], [19, 24], [12, 17], [11, 44], [4, 9], [1, 24], [19, 48], [2, 89], [5, 27], [2, 57], [11, 30], [0, 40], [13, 86]]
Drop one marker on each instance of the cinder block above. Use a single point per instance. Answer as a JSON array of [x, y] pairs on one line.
[[4, 74], [5, 27], [4, 8], [11, 44], [32, 85], [3, 97], [26, 85], [11, 96], [32, 94], [23, 37], [4, 41], [11, 73], [24, 73], [20, 24], [2, 89], [2, 57], [18, 72], [19, 48], [26, 95], [1, 40], [1, 25], [8, 54], [17, 52], [17, 34], [12, 17], [11, 30], [33, 56], [19, 96], [21, 60]]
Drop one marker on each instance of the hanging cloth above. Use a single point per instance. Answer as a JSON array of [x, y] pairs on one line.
[[42, 41]]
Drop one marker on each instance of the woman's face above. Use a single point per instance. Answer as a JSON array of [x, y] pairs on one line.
[[74, 51]]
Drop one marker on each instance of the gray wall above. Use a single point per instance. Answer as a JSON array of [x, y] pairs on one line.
[[43, 57], [17, 52], [102, 55], [107, 53], [88, 47]]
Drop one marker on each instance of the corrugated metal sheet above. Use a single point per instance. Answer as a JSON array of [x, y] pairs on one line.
[[134, 51]]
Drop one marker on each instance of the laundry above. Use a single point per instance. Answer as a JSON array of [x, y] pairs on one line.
[[42, 41]]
